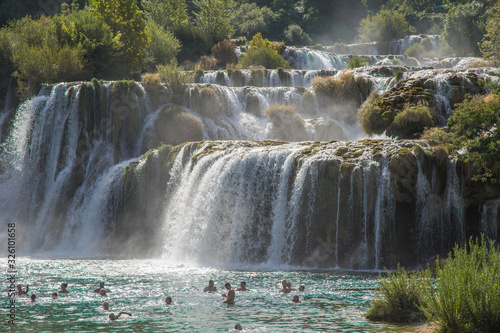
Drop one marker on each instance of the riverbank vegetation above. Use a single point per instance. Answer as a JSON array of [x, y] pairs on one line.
[[462, 294]]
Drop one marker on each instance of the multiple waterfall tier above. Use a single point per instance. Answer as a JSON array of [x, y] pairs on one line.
[[116, 169]]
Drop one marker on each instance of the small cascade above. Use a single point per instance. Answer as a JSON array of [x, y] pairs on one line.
[[400, 46], [490, 219], [267, 78]]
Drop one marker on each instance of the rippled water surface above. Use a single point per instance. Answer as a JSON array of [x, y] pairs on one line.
[[330, 303]]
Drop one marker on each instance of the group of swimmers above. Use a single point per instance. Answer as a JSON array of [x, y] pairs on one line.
[[286, 287]]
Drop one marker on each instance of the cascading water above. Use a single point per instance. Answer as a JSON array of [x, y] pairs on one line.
[[77, 173]]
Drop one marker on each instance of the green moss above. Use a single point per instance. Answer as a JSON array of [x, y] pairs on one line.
[[341, 151]]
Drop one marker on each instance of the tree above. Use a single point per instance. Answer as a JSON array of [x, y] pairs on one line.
[[386, 25], [170, 14], [163, 48], [464, 28], [249, 19], [213, 19], [125, 19], [101, 48], [490, 46]]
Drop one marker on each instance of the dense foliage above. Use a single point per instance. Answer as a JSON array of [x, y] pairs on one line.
[[385, 25], [463, 296], [473, 125], [263, 53]]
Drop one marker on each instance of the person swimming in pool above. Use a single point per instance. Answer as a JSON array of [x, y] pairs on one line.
[[289, 287], [238, 327], [105, 306], [302, 288], [230, 294], [243, 287], [33, 297], [168, 300], [101, 286], [54, 295], [284, 287], [63, 290], [296, 299], [112, 316], [21, 291], [210, 288]]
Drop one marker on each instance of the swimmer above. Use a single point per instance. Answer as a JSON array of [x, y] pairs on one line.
[[101, 286], [230, 295], [54, 295], [112, 316], [102, 292], [105, 306], [284, 287], [63, 290], [168, 300], [289, 287], [33, 297], [238, 327], [302, 288], [211, 287], [243, 287], [21, 291], [296, 299]]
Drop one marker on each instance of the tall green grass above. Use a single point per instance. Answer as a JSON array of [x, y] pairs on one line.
[[399, 297], [467, 295], [463, 296]]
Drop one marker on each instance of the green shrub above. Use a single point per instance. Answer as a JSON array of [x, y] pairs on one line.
[[249, 19], [296, 36], [102, 50], [386, 25], [163, 47], [175, 79], [224, 53], [206, 101], [287, 124], [399, 297], [415, 51], [411, 121], [207, 63], [356, 61], [467, 294], [175, 126], [490, 46], [262, 52]]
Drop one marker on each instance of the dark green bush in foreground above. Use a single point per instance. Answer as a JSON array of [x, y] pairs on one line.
[[463, 296]]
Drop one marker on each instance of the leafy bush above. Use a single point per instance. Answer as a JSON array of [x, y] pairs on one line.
[[467, 294], [386, 25], [175, 126], [149, 79], [411, 122], [295, 35], [206, 63], [356, 61], [400, 297], [372, 117], [416, 51], [262, 52], [463, 297], [206, 101], [175, 80], [163, 47], [225, 53], [287, 124]]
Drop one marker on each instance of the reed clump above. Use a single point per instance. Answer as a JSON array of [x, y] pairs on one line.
[[462, 296]]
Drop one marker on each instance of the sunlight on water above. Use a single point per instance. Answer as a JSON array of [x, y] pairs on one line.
[[140, 287]]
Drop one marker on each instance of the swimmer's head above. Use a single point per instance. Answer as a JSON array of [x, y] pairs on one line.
[[105, 306], [168, 300], [238, 327], [112, 316], [54, 295]]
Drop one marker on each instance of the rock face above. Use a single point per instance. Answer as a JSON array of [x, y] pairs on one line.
[[437, 92]]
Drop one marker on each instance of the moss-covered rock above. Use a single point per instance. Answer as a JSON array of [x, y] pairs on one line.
[[404, 172], [174, 126]]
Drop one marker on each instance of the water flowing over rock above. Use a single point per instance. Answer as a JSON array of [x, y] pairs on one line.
[[115, 169]]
